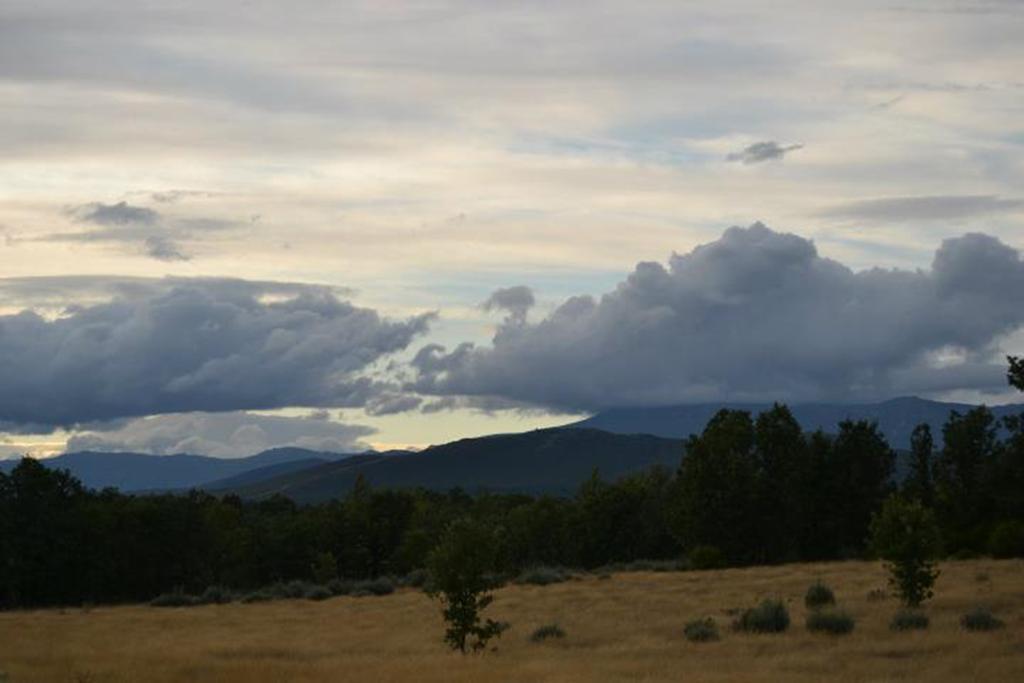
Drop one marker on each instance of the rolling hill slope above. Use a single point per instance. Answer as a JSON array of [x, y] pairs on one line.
[[542, 461]]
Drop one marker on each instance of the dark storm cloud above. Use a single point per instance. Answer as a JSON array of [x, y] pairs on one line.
[[389, 403], [515, 301], [762, 151], [935, 208], [121, 213], [196, 345], [755, 315], [164, 249]]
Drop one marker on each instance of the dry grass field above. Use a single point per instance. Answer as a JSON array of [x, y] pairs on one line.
[[627, 628]]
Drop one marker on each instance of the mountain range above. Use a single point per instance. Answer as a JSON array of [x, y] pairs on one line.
[[555, 460], [896, 417]]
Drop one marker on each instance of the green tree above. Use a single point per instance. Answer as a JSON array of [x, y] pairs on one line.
[[460, 577], [1016, 373], [905, 535], [782, 458], [918, 484], [970, 452], [715, 500], [860, 469]]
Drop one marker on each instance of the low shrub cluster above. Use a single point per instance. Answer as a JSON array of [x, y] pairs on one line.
[[823, 617], [819, 595], [547, 632], [706, 557], [289, 590], [771, 616], [701, 630], [981, 619], [543, 576], [174, 599], [830, 620], [909, 620]]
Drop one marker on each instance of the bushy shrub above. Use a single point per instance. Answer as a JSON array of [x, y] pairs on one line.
[[417, 578], [318, 593], [546, 632], [981, 619], [701, 630], [294, 590], [543, 576], [819, 595], [174, 599], [655, 566], [257, 596], [340, 587], [909, 620], [771, 616], [382, 585], [832, 621], [216, 595], [706, 557], [1007, 540]]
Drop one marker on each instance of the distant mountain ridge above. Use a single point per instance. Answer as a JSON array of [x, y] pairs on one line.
[[143, 472], [555, 460], [896, 417]]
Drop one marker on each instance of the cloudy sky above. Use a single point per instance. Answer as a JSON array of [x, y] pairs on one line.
[[232, 225]]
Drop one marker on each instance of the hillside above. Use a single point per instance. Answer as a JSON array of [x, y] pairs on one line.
[[541, 461], [896, 418]]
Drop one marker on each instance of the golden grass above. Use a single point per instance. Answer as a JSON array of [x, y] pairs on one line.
[[628, 628]]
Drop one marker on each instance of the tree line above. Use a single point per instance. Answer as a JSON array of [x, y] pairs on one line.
[[750, 490]]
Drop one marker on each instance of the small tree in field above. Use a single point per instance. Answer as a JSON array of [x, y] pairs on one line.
[[905, 535], [459, 570]]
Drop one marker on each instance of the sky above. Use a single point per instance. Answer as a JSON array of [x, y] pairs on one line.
[[227, 226]]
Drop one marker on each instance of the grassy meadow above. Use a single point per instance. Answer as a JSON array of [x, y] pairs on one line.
[[625, 628]]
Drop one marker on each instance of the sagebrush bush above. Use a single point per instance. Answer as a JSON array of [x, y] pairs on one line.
[[216, 595], [382, 585], [909, 620], [546, 632], [543, 576], [701, 630], [656, 566], [981, 619], [706, 557], [771, 616], [174, 599], [318, 593], [294, 590], [417, 578], [819, 595], [257, 596], [831, 621], [340, 586]]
